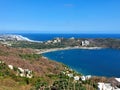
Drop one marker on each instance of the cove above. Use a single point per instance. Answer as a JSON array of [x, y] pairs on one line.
[[98, 62]]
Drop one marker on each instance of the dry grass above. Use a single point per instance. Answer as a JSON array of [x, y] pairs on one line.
[[10, 84], [40, 66]]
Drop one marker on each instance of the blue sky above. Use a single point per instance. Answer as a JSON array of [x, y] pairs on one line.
[[60, 16]]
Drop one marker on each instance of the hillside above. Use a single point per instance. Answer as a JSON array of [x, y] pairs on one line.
[[23, 69], [26, 59], [63, 42]]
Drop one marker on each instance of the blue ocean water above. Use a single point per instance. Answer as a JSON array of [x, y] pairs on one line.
[[44, 37], [100, 62], [103, 62]]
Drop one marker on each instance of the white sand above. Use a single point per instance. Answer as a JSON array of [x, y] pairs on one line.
[[41, 51]]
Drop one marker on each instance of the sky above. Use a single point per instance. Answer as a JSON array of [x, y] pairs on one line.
[[60, 16]]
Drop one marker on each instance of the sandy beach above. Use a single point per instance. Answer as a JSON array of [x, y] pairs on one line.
[[41, 51]]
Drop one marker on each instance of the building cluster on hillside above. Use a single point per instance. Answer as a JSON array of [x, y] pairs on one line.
[[25, 73], [85, 43], [71, 74], [56, 40], [22, 72], [113, 84]]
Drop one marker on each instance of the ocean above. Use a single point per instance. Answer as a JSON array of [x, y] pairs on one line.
[[98, 62], [45, 37]]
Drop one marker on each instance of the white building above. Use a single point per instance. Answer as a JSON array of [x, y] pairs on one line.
[[21, 70], [22, 74], [118, 79], [70, 75], [76, 78], [83, 78], [57, 40], [25, 72], [88, 76], [48, 42], [106, 86], [85, 43], [11, 67], [28, 73]]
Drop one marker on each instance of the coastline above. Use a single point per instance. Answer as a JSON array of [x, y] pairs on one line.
[[41, 51], [70, 48]]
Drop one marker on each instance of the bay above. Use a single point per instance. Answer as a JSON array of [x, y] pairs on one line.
[[98, 62]]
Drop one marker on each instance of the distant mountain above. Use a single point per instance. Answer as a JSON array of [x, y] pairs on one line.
[[11, 37]]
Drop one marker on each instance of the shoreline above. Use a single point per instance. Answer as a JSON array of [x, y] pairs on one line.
[[70, 48], [42, 51]]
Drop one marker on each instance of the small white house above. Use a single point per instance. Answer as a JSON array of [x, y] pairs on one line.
[[22, 74], [70, 75], [58, 39], [118, 79], [21, 70], [11, 67], [88, 76], [105, 86], [76, 78], [83, 78], [25, 73], [49, 41], [29, 75], [55, 41], [67, 72]]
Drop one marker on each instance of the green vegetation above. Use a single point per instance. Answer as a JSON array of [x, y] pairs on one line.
[[8, 74], [63, 82], [51, 80], [59, 81], [30, 56], [3, 70], [109, 43], [35, 45], [2, 53]]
